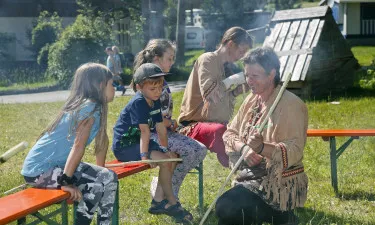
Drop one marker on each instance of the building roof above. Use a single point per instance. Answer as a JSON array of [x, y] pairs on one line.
[[325, 2], [294, 35]]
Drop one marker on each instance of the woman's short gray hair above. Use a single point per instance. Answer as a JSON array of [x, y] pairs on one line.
[[266, 58]]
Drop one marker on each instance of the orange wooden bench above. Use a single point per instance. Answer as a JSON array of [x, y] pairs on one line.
[[28, 202], [17, 206], [122, 172], [330, 135], [31, 200], [125, 171]]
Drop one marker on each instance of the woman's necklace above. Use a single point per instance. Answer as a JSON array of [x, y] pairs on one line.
[[256, 113]]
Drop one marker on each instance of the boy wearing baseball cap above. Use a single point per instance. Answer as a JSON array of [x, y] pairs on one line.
[[131, 138]]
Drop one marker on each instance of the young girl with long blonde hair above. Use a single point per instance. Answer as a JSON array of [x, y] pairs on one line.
[[55, 160]]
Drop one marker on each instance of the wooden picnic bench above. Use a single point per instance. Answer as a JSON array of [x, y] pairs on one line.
[[17, 206], [330, 135], [124, 171], [28, 202]]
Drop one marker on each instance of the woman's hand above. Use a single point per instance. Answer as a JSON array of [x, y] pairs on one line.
[[252, 158], [75, 193], [255, 142]]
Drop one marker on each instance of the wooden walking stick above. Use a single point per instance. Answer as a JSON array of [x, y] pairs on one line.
[[11, 152], [143, 161], [285, 84]]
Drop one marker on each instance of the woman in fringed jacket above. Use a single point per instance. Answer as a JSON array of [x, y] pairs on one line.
[[271, 181]]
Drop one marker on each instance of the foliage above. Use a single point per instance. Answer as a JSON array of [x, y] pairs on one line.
[[5, 39], [81, 42], [285, 4], [24, 88], [112, 13], [367, 79], [21, 75], [44, 34]]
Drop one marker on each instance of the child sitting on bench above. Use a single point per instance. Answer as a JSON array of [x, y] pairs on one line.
[[55, 160], [131, 140]]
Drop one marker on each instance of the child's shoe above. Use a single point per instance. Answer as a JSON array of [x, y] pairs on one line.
[[157, 207]]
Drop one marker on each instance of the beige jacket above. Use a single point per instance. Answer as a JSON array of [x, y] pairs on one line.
[[282, 181], [205, 98]]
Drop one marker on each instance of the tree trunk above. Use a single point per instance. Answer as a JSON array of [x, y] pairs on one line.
[[180, 33], [191, 14], [156, 19], [146, 16]]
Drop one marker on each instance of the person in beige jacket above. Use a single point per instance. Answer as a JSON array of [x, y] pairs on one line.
[[271, 181], [209, 98]]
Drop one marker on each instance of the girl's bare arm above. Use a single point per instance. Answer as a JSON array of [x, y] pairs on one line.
[[78, 149]]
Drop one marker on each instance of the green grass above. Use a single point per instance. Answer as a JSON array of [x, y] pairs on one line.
[[27, 86], [355, 204], [308, 4], [364, 54], [191, 56]]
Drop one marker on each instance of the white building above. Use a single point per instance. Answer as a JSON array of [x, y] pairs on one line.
[[356, 18]]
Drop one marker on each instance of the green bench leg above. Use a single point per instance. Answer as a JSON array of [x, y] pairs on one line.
[[21, 221], [332, 146], [115, 215], [200, 186], [64, 213], [39, 218], [334, 155]]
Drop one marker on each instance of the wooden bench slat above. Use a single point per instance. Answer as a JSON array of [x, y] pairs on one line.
[[28, 201], [124, 171], [339, 132]]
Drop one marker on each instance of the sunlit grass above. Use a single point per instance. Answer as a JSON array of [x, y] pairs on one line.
[[354, 205], [364, 54], [27, 86]]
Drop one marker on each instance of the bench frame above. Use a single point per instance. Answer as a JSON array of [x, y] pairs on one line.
[[29, 195], [330, 135], [124, 172]]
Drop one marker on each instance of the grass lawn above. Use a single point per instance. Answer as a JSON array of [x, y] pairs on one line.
[[355, 204], [27, 86], [364, 54], [308, 4]]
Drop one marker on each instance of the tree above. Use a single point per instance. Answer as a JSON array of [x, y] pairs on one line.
[[81, 42], [180, 33], [286, 4], [45, 33], [171, 13]]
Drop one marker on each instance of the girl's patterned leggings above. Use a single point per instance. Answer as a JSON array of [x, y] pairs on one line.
[[97, 184], [191, 151]]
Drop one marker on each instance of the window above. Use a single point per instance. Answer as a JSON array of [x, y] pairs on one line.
[[368, 19], [191, 35], [368, 11]]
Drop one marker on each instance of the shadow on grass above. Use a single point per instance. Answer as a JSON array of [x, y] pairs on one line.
[[351, 93], [357, 93], [357, 195], [305, 216]]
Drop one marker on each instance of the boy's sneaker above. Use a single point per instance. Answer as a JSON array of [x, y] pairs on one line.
[[123, 91]]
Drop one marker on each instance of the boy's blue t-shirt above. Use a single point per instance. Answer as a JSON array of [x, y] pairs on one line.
[[126, 131], [53, 149]]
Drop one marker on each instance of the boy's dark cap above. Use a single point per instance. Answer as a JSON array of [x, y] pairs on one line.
[[147, 70]]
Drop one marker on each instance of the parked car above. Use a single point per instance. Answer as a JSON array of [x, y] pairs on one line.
[[194, 37]]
